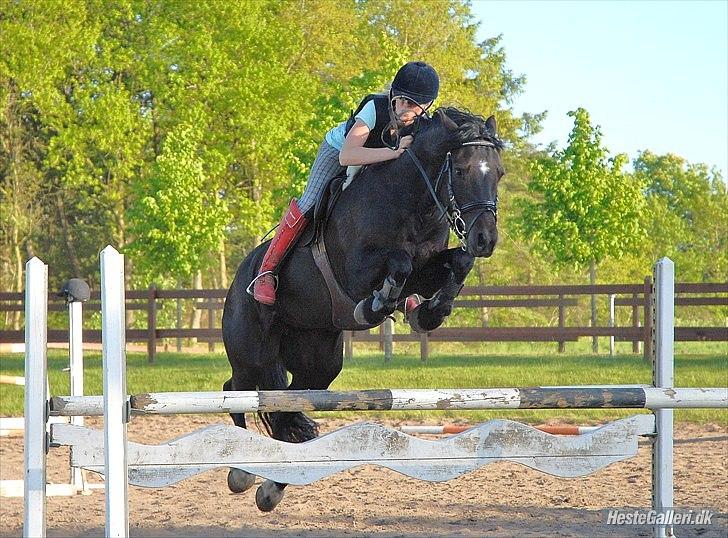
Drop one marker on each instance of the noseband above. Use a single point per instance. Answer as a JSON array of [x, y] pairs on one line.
[[453, 211]]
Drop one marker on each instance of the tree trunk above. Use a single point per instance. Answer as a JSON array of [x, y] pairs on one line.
[[196, 311], [593, 281], [68, 236], [18, 279], [120, 244], [223, 266]]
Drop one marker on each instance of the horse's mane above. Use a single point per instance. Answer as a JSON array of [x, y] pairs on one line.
[[471, 127]]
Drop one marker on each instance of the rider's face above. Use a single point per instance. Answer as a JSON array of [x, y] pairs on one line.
[[407, 110]]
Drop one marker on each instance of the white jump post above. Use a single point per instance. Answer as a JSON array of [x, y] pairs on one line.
[[663, 376], [116, 408], [75, 355], [36, 403]]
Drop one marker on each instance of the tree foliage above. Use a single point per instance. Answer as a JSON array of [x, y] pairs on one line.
[[686, 216], [178, 131], [587, 208], [175, 217]]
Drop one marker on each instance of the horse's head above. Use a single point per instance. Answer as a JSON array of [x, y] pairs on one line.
[[467, 183]]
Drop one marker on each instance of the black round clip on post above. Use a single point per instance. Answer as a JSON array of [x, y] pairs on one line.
[[75, 290]]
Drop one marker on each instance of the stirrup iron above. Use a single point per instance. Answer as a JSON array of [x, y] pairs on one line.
[[249, 289]]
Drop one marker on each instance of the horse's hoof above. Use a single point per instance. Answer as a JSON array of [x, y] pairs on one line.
[[268, 496], [239, 480], [364, 315], [414, 319], [359, 313]]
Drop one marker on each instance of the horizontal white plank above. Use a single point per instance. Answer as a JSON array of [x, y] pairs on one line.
[[15, 488]]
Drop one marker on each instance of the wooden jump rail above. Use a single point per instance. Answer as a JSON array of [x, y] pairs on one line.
[[124, 463]]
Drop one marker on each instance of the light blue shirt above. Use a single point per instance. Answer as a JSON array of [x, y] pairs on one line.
[[368, 114]]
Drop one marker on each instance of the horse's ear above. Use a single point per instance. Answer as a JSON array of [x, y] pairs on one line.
[[490, 124], [446, 121]]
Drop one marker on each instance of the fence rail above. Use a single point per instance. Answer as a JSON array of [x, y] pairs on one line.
[[563, 297]]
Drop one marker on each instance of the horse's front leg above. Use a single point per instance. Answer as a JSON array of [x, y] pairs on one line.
[[382, 303], [451, 268]]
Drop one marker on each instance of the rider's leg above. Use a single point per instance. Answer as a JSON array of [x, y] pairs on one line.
[[290, 227], [325, 167]]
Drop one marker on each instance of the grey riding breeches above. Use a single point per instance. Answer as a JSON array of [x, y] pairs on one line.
[[324, 169]]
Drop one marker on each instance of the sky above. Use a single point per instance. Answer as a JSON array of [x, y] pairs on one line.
[[652, 74]]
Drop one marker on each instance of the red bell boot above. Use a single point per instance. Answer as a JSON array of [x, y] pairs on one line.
[[292, 224]]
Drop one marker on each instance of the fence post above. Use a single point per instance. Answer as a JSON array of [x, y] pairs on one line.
[[178, 325], [151, 323], [387, 330], [348, 345], [611, 324], [424, 347], [210, 325], [649, 320], [562, 343], [635, 323]]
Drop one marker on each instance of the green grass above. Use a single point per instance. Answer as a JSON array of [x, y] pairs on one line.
[[207, 372]]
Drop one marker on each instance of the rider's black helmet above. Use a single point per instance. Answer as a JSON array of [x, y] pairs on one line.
[[417, 81]]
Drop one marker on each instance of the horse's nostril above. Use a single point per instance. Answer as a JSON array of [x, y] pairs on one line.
[[482, 241]]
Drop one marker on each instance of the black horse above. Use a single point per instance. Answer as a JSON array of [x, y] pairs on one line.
[[386, 238]]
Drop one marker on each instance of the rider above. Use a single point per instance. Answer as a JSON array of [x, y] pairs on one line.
[[377, 131]]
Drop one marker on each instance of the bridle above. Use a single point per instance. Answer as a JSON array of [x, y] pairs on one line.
[[454, 211]]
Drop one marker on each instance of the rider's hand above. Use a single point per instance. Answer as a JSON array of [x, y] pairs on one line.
[[404, 143]]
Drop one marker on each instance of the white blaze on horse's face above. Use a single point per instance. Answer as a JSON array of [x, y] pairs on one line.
[[484, 167]]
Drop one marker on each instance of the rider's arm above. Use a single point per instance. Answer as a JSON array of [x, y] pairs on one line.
[[353, 152]]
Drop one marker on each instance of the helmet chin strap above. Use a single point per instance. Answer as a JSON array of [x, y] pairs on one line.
[[393, 125], [396, 123]]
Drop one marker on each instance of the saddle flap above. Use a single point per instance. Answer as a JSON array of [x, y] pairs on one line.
[[324, 207]]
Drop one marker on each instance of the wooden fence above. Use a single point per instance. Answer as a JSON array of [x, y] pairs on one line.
[[637, 297]]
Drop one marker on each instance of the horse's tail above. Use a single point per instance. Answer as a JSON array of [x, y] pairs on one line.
[[292, 427], [273, 378]]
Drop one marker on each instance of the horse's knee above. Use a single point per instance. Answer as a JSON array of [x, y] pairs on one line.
[[399, 265], [461, 264]]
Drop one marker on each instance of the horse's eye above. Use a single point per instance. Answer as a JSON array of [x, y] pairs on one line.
[[459, 172]]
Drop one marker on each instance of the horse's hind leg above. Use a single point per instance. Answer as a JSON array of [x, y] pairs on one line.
[[238, 480], [314, 358]]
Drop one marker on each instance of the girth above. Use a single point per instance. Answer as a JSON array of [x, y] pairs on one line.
[[342, 306]]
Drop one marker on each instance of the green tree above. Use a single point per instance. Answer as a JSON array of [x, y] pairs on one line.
[[687, 204], [586, 209], [109, 81], [175, 216]]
